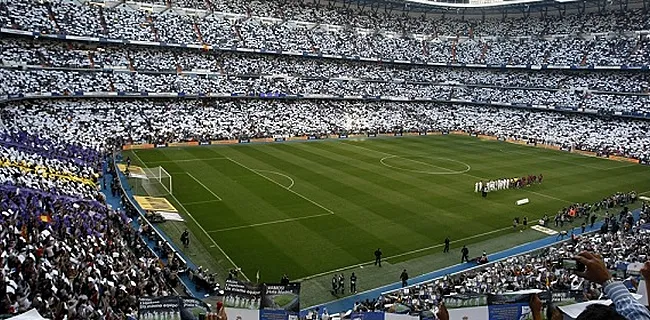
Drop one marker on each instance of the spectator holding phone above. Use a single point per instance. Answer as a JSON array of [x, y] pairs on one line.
[[552, 313], [624, 303], [645, 272], [443, 313]]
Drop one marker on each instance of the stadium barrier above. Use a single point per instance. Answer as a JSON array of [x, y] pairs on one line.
[[201, 95], [525, 142], [183, 144], [138, 146], [131, 201]]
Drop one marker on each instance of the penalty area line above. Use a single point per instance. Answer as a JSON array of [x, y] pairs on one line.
[[280, 174], [270, 222], [201, 202], [204, 187], [279, 184], [214, 243]]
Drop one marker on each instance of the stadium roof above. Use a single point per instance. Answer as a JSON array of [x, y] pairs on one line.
[[482, 3], [495, 6]]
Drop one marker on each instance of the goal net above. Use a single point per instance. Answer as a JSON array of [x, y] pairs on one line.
[[155, 182]]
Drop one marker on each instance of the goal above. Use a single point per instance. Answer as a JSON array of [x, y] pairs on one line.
[[155, 182]]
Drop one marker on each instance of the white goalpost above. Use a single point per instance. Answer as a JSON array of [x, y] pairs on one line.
[[165, 179], [156, 182]]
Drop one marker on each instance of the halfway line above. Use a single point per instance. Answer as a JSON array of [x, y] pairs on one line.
[[271, 222], [465, 173]]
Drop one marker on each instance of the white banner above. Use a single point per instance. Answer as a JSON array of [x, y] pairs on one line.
[[473, 313], [643, 292], [394, 316], [242, 314]]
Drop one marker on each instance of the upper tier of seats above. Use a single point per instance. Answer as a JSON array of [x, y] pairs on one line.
[[268, 25]]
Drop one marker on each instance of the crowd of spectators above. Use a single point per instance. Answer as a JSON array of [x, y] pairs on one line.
[[65, 252], [540, 270], [74, 256], [314, 12], [482, 41], [35, 171], [70, 255], [70, 55], [18, 81], [160, 121], [139, 69]]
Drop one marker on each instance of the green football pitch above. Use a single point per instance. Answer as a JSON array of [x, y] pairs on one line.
[[307, 208]]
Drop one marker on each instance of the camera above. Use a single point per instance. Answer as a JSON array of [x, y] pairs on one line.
[[573, 265]]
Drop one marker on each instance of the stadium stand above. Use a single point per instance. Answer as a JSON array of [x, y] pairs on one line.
[[541, 270], [71, 255], [152, 121], [67, 69], [56, 224], [480, 42]]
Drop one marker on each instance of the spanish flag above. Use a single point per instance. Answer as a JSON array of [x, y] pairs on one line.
[[46, 218]]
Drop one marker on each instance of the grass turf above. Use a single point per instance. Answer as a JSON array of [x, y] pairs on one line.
[[308, 208]]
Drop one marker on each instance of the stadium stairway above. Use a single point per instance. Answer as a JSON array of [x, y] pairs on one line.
[[347, 303], [116, 203]]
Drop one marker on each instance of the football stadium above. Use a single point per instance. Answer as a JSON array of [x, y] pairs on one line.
[[325, 160]]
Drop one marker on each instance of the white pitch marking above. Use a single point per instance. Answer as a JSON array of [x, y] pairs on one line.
[[204, 187], [214, 243], [201, 202], [290, 190], [465, 173], [188, 160], [402, 254], [271, 222], [449, 171], [280, 174], [547, 196], [622, 166], [136, 155]]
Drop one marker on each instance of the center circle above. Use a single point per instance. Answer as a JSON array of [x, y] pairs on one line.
[[425, 167]]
